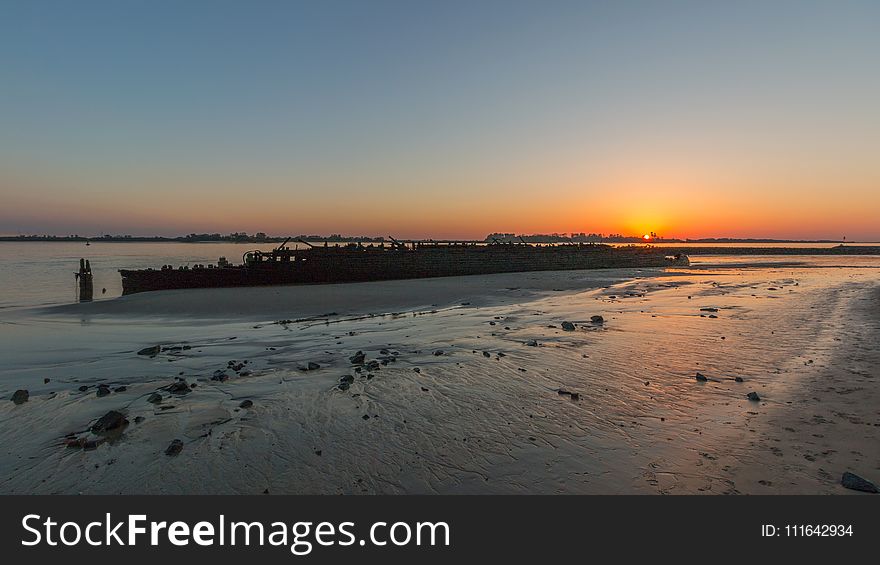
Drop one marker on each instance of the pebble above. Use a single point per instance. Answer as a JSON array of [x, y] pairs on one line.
[[246, 404], [357, 358], [151, 351], [701, 377], [179, 387], [855, 482], [568, 326], [174, 448], [20, 396], [753, 396], [110, 421]]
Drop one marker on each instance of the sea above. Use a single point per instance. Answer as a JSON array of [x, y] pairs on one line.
[[36, 274]]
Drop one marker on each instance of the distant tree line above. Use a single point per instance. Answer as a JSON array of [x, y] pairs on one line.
[[236, 237], [572, 237]]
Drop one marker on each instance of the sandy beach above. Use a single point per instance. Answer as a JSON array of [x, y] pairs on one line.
[[464, 385]]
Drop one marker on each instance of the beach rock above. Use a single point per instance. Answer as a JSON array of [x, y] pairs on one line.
[[83, 388], [346, 379], [701, 377], [357, 358], [179, 387], [246, 404], [174, 448], [343, 386], [46, 381], [110, 421], [150, 351], [91, 445], [365, 417], [708, 309], [120, 389], [103, 390], [487, 354], [373, 365], [855, 482], [417, 370], [154, 398], [139, 419], [20, 396], [219, 376], [753, 396], [739, 379], [575, 396], [312, 366], [438, 352], [75, 443], [532, 343], [245, 373], [597, 319], [568, 326]]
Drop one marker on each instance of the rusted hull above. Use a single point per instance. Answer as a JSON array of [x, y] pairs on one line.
[[325, 266]]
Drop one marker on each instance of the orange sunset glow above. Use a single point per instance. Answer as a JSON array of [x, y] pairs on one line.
[[650, 137]]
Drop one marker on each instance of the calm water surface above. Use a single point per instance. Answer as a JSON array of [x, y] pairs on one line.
[[42, 273]]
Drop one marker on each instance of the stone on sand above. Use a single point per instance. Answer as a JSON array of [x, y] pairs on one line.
[[357, 358], [174, 448], [855, 482], [701, 377], [20, 396], [110, 421], [150, 351], [753, 396], [597, 319], [568, 326], [179, 387]]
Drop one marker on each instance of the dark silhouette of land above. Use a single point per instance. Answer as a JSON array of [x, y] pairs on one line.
[[260, 237]]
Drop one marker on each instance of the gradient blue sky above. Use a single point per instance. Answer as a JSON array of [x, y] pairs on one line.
[[444, 119]]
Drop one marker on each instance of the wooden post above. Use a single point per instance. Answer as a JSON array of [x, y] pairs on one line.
[[84, 277]]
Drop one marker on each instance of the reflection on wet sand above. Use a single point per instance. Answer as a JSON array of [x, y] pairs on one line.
[[498, 385]]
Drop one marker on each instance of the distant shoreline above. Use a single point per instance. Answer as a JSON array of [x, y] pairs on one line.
[[369, 239]]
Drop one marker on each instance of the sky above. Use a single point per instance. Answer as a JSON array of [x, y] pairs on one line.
[[438, 119]]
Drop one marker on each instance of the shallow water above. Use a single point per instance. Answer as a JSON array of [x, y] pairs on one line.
[[467, 422], [42, 273]]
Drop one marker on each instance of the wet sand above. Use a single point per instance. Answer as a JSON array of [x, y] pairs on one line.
[[464, 395]]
